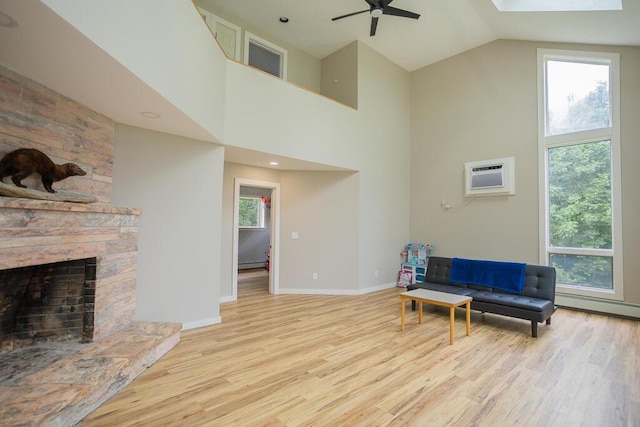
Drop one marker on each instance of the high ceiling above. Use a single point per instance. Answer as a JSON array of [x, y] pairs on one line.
[[445, 27], [47, 49]]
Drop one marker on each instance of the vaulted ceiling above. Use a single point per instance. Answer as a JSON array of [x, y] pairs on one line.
[[445, 27], [43, 47]]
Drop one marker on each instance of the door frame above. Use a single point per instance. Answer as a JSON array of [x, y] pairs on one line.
[[274, 251]]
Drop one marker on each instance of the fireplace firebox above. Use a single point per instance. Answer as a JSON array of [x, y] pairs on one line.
[[48, 302]]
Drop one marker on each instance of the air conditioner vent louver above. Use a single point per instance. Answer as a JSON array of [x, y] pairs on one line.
[[487, 177], [490, 177]]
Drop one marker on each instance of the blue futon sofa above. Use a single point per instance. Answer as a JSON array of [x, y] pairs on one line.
[[536, 301]]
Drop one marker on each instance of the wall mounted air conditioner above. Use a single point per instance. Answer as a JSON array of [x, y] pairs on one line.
[[490, 177]]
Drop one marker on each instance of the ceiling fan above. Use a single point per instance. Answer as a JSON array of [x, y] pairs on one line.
[[377, 8]]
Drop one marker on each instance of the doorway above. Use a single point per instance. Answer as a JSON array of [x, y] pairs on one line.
[[273, 206]]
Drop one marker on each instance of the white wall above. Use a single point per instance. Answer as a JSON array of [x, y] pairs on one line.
[[171, 50], [322, 207], [384, 94], [482, 104], [475, 106], [266, 114], [177, 182], [340, 75]]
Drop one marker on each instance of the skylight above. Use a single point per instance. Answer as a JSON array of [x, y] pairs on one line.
[[556, 5]]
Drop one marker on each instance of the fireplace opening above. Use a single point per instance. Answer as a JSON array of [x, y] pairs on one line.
[[47, 303]]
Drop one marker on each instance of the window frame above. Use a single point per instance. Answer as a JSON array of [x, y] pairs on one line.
[[546, 142], [267, 45], [261, 214]]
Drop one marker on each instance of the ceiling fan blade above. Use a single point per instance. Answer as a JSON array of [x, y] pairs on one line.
[[349, 14], [374, 25], [399, 12]]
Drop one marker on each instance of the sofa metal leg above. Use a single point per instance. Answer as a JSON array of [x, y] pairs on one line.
[[549, 321], [413, 305], [534, 329]]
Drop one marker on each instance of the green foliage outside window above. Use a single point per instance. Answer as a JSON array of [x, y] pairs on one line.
[[250, 212], [580, 213], [580, 196]]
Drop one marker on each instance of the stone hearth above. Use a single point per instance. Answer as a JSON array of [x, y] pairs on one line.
[[59, 383]]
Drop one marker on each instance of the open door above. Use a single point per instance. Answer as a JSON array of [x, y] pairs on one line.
[[274, 247]]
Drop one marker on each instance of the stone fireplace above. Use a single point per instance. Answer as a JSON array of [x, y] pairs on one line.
[[60, 361]]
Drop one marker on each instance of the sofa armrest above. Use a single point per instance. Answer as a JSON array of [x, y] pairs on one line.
[[540, 282], [438, 270]]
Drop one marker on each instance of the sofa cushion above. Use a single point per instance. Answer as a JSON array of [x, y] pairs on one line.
[[520, 301], [451, 289]]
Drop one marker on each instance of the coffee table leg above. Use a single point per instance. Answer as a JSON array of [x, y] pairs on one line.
[[420, 312], [402, 314], [451, 318], [468, 305]]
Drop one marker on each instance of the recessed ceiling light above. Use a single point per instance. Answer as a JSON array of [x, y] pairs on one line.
[[284, 19], [7, 21], [273, 163], [150, 115]]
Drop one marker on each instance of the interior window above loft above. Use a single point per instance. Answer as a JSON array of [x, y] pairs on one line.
[[227, 34], [264, 55]]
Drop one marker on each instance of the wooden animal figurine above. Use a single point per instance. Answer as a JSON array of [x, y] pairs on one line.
[[22, 162]]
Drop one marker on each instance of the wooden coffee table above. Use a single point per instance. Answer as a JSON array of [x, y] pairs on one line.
[[437, 298]]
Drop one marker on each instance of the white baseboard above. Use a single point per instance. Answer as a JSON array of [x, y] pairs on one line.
[[377, 288], [201, 323], [337, 291], [252, 265], [230, 298], [616, 308]]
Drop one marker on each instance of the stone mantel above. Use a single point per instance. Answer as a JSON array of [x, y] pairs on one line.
[[16, 203]]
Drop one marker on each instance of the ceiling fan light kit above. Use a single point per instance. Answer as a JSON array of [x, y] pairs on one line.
[[377, 8]]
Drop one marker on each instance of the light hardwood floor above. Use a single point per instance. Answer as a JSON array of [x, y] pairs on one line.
[[294, 360]]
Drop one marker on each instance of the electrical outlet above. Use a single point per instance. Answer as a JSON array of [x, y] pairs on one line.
[[376, 273], [315, 276]]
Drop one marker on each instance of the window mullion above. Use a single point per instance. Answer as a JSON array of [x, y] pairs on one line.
[[581, 251]]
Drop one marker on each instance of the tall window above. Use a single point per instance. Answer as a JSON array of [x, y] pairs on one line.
[[579, 140], [251, 212]]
